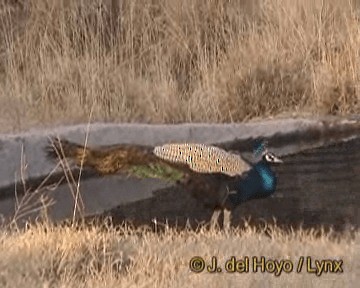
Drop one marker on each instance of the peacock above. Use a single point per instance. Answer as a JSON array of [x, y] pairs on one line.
[[220, 180]]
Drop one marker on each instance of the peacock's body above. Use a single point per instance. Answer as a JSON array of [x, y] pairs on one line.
[[220, 180]]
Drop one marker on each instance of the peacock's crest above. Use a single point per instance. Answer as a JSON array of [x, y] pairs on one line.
[[260, 147], [202, 158]]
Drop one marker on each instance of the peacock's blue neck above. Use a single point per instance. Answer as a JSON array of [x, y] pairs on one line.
[[267, 176], [260, 182]]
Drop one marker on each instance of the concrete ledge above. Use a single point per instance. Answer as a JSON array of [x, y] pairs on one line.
[[33, 143]]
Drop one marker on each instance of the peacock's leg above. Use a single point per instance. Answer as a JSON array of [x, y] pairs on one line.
[[227, 219], [214, 221]]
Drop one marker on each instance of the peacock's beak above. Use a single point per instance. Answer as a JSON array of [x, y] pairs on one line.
[[278, 160]]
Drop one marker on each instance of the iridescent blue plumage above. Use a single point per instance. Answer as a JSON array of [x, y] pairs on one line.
[[260, 182]]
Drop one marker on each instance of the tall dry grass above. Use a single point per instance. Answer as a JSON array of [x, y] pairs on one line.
[[174, 61]]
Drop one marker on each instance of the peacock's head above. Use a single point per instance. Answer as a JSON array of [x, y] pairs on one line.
[[261, 150], [271, 158]]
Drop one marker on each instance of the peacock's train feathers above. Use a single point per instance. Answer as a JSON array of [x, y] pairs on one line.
[[169, 161]]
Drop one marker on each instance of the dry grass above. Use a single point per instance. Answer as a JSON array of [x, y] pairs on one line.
[[49, 256], [175, 61]]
